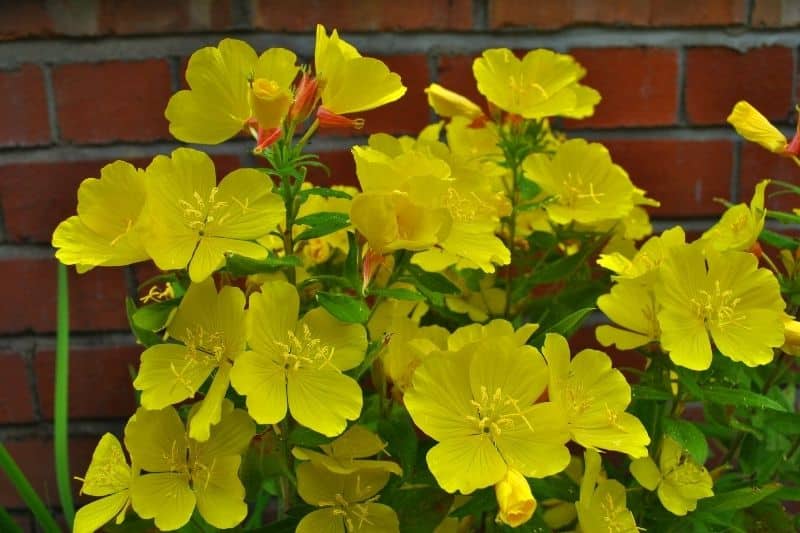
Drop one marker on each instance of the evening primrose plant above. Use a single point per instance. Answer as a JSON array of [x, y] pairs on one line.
[[401, 356]]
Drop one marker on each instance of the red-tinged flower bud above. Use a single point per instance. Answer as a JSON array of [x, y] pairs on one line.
[[372, 262], [305, 98], [329, 119], [756, 250], [266, 138], [793, 148]]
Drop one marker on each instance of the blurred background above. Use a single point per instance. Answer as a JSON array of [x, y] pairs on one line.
[[83, 83]]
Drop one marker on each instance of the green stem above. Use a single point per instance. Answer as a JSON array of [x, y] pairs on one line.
[[7, 523], [26, 492], [307, 135], [61, 399], [512, 233], [287, 480]]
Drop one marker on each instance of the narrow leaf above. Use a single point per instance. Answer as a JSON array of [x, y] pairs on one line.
[[689, 436], [398, 294], [345, 308]]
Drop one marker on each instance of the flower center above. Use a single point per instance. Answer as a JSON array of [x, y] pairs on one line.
[[305, 351], [496, 412], [204, 349], [718, 307], [465, 208], [611, 514], [575, 189], [198, 212]]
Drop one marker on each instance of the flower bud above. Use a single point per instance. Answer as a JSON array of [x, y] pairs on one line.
[[791, 335], [305, 98], [447, 103], [514, 498], [270, 103], [329, 119]]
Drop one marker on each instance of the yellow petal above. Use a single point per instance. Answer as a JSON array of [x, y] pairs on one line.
[[273, 314], [321, 521], [165, 497], [466, 464], [447, 103], [514, 499], [210, 410], [168, 375], [108, 471], [156, 440], [262, 380], [220, 493], [646, 472], [93, 516], [348, 341], [323, 400], [538, 449], [231, 436], [250, 210], [755, 127]]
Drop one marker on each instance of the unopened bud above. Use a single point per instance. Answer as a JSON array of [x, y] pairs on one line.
[[305, 98], [329, 119], [514, 498], [270, 103]]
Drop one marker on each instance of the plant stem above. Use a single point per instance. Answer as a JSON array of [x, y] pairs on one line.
[[512, 231], [287, 480], [61, 396], [26, 492], [307, 135]]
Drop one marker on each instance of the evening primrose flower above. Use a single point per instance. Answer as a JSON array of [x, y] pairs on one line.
[[106, 230], [298, 364], [348, 453], [347, 501], [181, 473], [643, 267], [723, 295], [586, 186], [592, 397], [478, 403], [602, 506], [211, 329], [514, 499], [632, 306], [108, 476], [192, 221], [447, 103], [350, 83], [740, 225], [542, 84], [679, 479], [753, 126], [229, 87]]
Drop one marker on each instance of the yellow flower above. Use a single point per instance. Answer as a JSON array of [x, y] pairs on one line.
[[586, 186], [229, 86], [211, 329], [473, 335], [192, 221], [479, 305], [298, 364], [755, 127], [643, 268], [351, 83], [183, 473], [347, 501], [602, 505], [592, 397], [514, 498], [108, 476], [740, 225], [724, 295], [447, 103], [791, 343], [632, 306], [106, 230], [478, 403], [679, 479], [542, 84], [347, 454]]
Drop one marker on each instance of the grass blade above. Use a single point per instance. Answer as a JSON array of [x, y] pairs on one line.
[[26, 492], [61, 407]]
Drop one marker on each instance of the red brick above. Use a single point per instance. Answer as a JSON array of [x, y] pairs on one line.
[[357, 15], [35, 457], [36, 197], [103, 370], [776, 13], [717, 78], [455, 73], [555, 14], [757, 164], [638, 86], [342, 170], [24, 20], [113, 101], [97, 298], [155, 16], [23, 107], [685, 176], [16, 400]]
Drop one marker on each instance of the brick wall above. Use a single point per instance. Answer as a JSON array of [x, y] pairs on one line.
[[86, 82]]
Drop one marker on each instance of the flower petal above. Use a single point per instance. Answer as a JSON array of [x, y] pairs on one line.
[[323, 400], [165, 497], [466, 463]]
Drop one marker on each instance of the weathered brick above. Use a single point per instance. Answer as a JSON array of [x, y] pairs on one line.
[[717, 78], [556, 14], [35, 457], [103, 370], [357, 15], [97, 298], [685, 176], [112, 101], [776, 13], [36, 197], [24, 19], [16, 400], [756, 164], [155, 16], [23, 107], [638, 86]]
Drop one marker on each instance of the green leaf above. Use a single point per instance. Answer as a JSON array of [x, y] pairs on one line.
[[566, 326], [245, 266], [786, 218], [433, 281], [527, 189], [325, 192], [689, 436], [420, 508], [345, 308], [398, 294], [351, 262], [739, 398], [737, 499], [154, 317], [322, 224], [302, 436], [783, 423], [144, 336], [398, 432], [482, 501], [645, 392], [777, 240]]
